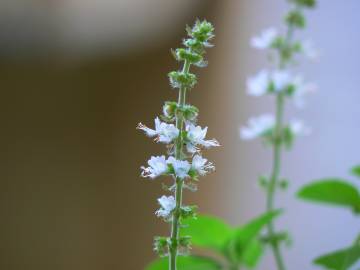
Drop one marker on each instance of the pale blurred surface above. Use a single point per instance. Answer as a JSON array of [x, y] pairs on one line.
[[76, 78]]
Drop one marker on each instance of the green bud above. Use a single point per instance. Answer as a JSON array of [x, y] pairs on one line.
[[287, 137], [263, 181], [295, 18], [305, 3], [179, 79], [202, 31], [283, 184]]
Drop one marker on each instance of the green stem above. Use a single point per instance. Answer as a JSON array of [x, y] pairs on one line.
[[175, 226], [271, 192], [274, 179]]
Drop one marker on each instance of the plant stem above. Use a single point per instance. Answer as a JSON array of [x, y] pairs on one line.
[[277, 160], [274, 178], [173, 250]]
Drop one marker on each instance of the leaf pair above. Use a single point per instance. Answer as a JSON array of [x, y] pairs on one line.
[[339, 192], [239, 246]]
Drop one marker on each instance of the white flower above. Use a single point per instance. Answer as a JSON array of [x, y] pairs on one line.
[[258, 84], [257, 126], [301, 90], [157, 167], [201, 165], [164, 132], [265, 39], [167, 205], [181, 167], [196, 136], [307, 47], [297, 127], [281, 79]]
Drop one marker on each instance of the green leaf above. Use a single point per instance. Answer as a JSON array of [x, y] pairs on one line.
[[341, 259], [208, 232], [356, 171], [243, 239], [332, 191], [252, 254], [186, 263]]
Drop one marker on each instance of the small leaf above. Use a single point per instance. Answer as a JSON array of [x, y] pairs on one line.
[[332, 191], [186, 263], [340, 260], [209, 232], [356, 171], [244, 236]]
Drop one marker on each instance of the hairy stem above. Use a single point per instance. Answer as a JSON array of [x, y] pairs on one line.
[[175, 226]]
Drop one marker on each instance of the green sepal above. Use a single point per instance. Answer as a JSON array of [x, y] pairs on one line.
[[184, 245], [169, 110], [202, 31], [188, 211], [161, 245], [190, 112], [295, 18], [180, 79], [189, 55]]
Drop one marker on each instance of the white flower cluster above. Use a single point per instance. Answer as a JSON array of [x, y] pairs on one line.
[[194, 139], [278, 81], [266, 82], [267, 39], [261, 125], [179, 168]]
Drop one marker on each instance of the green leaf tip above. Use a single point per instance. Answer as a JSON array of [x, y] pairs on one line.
[[341, 259]]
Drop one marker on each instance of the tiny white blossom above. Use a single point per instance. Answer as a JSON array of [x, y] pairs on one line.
[[167, 205], [181, 167], [265, 39], [281, 79], [258, 84], [157, 167], [257, 126], [297, 127], [201, 165], [307, 47], [301, 90], [196, 136], [163, 132]]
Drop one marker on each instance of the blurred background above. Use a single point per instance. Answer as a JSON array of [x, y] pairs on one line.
[[77, 76]]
